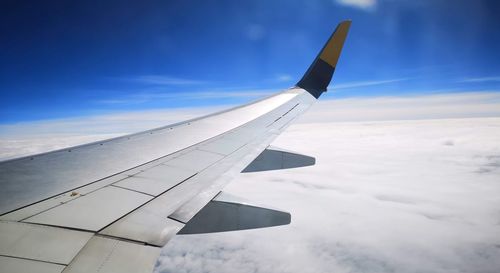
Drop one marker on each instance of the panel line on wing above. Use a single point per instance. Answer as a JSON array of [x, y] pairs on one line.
[[127, 240], [177, 220], [31, 259], [57, 226], [272, 123], [123, 188]]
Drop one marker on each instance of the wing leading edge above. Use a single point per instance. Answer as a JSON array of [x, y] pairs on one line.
[[109, 206]]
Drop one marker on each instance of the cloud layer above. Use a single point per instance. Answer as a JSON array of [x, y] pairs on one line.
[[458, 105]]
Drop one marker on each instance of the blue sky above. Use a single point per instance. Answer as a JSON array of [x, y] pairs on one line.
[[63, 59]]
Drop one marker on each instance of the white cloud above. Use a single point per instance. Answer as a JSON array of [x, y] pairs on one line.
[[458, 105], [361, 4]]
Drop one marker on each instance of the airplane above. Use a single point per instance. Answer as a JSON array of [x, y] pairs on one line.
[[109, 206]]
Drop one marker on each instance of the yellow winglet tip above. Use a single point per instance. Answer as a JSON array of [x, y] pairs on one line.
[[331, 53]]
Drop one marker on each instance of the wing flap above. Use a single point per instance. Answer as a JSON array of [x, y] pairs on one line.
[[41, 243], [145, 226], [150, 223], [107, 255]]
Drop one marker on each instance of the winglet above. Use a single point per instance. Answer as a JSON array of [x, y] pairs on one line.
[[318, 76]]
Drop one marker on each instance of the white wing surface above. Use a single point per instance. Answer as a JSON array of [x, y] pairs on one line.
[[110, 206]]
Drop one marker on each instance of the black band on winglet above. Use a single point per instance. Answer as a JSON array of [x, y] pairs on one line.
[[318, 76]]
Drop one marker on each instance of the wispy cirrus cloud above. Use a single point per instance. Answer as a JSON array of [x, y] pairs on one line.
[[481, 79], [146, 97], [165, 80], [366, 83], [283, 78], [156, 88], [360, 4]]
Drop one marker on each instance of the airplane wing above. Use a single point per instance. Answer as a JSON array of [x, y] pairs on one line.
[[110, 206]]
